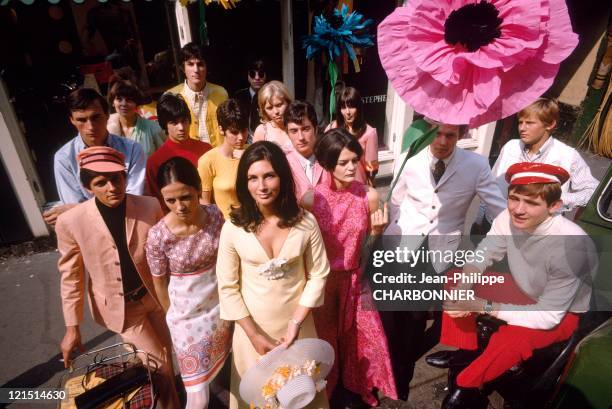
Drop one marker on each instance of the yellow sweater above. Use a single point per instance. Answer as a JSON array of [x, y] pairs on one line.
[[218, 175], [217, 94]]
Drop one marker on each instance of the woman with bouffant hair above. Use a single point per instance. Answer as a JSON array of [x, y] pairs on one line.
[[124, 97], [271, 264]]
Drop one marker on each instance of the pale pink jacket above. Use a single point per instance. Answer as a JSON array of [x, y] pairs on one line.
[[302, 184]]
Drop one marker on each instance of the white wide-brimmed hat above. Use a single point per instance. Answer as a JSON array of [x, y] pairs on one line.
[[300, 390]]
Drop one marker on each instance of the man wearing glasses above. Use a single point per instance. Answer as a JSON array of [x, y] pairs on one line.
[[247, 97]]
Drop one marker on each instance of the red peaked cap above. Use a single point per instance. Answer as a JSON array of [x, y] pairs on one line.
[[526, 173]]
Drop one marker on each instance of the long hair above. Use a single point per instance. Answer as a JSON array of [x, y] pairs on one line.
[[247, 214], [351, 98]]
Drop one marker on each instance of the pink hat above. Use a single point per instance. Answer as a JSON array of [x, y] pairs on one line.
[[101, 159], [526, 173]]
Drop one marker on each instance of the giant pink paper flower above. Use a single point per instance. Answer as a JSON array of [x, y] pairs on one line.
[[473, 62]]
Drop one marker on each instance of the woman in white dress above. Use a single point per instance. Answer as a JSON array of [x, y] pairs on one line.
[[181, 252], [272, 266]]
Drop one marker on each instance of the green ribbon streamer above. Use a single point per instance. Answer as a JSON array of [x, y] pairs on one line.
[[415, 147], [332, 70]]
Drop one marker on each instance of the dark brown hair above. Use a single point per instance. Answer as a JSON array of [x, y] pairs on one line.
[[189, 51], [231, 117], [351, 98], [297, 111], [247, 215], [328, 147], [172, 108], [181, 170], [125, 89], [83, 98]]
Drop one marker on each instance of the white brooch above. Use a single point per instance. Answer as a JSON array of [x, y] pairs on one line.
[[273, 269]]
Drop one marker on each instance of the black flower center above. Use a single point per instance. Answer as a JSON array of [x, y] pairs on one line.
[[335, 21], [473, 25]]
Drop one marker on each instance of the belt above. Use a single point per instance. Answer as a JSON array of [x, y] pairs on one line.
[[136, 294]]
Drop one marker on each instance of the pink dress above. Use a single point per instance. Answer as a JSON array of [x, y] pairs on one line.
[[200, 338], [353, 329]]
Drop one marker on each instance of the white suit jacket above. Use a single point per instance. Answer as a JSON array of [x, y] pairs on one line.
[[419, 207]]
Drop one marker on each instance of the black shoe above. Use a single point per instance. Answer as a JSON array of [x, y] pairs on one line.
[[446, 359], [439, 359], [465, 398]]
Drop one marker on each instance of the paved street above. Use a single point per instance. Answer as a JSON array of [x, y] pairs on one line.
[[31, 328]]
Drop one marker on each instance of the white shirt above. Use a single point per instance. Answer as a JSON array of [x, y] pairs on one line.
[[308, 166], [554, 266], [575, 192], [198, 102], [420, 207]]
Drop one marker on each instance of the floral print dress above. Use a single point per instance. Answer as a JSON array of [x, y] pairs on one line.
[[200, 338]]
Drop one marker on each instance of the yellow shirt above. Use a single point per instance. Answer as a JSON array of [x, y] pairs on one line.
[[218, 175], [215, 95]]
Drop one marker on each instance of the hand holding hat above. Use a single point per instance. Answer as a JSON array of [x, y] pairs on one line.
[[287, 378]]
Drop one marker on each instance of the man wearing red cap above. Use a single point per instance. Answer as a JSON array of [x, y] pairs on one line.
[[551, 260], [105, 237]]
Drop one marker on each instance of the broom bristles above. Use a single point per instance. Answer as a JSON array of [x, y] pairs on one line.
[[600, 143]]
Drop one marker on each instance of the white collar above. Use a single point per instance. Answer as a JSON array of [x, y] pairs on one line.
[[189, 93], [305, 161], [252, 92], [543, 149], [433, 160]]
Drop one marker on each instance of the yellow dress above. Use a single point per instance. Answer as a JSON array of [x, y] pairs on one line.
[[243, 291], [218, 175]]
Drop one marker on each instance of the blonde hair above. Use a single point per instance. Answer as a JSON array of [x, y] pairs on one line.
[[546, 109], [267, 92]]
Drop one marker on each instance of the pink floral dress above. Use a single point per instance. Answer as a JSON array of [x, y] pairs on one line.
[[354, 330], [200, 338]]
